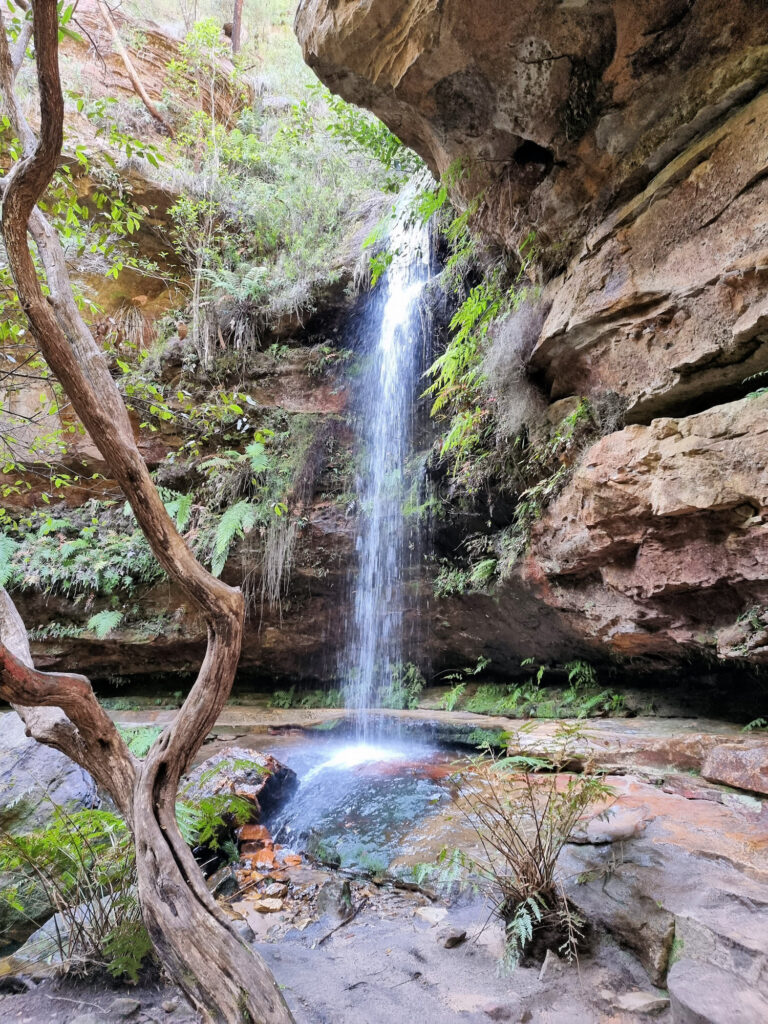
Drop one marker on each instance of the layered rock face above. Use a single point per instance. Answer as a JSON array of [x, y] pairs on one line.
[[631, 139]]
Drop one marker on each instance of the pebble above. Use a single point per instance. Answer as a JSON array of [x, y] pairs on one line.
[[432, 915], [451, 937], [269, 905], [124, 1007], [169, 1005], [277, 889], [641, 1002]]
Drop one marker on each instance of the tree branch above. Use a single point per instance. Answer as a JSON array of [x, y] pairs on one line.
[[62, 711], [136, 82]]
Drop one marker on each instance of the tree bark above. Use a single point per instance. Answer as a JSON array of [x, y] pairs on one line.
[[237, 25], [225, 980]]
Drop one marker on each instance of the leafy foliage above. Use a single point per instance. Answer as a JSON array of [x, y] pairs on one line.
[[407, 682], [85, 863], [237, 520], [296, 698], [140, 738], [523, 811], [104, 622]]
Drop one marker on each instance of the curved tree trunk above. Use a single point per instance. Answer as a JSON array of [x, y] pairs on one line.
[[225, 980]]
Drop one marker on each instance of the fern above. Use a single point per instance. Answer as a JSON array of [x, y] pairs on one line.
[[757, 723], [140, 738], [257, 456], [7, 548], [454, 695], [104, 622], [482, 573], [203, 822], [235, 521], [180, 509]]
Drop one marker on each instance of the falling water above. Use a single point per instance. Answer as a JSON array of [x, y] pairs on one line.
[[386, 423]]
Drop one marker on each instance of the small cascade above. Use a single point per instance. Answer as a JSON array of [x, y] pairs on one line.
[[387, 399]]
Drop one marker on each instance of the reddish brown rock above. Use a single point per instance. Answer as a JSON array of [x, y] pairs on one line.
[[255, 834], [258, 778], [663, 533], [553, 108], [630, 138], [744, 767]]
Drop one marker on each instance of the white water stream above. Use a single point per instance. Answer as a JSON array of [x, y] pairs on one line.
[[388, 395]]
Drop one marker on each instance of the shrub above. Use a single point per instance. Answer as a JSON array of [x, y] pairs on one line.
[[407, 682], [85, 863], [523, 811], [451, 581]]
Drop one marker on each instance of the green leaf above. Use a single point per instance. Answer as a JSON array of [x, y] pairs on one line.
[[104, 622]]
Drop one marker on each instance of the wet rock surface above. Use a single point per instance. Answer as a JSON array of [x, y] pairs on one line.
[[669, 877], [704, 994], [258, 778]]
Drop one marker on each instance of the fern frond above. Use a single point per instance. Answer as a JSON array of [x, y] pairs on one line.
[[235, 521], [104, 622], [7, 548]]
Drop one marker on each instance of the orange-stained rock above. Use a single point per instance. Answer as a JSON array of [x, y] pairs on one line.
[[258, 778], [745, 767], [255, 833]]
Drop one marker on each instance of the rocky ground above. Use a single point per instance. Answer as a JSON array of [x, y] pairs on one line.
[[673, 878]]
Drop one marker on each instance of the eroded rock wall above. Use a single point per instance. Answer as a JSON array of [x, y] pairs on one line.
[[632, 138]]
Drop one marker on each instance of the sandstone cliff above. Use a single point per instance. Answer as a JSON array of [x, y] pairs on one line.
[[632, 139]]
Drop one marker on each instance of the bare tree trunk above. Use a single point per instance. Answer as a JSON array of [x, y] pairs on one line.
[[226, 981], [237, 25], [136, 82]]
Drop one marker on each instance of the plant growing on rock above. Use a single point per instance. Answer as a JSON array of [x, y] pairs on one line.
[[192, 936], [523, 810], [84, 862]]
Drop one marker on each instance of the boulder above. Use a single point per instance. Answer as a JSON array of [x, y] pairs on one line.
[[621, 901], [642, 1002], [34, 780], [701, 993], [258, 778], [743, 767]]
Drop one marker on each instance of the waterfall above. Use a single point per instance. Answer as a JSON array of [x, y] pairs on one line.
[[389, 388]]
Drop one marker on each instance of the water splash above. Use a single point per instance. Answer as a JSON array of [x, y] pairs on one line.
[[356, 754], [386, 424]]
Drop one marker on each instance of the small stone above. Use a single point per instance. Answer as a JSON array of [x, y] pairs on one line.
[[124, 1007], [291, 860], [169, 1005], [268, 905], [276, 889], [641, 1002], [498, 1011], [244, 930], [451, 937], [432, 915]]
